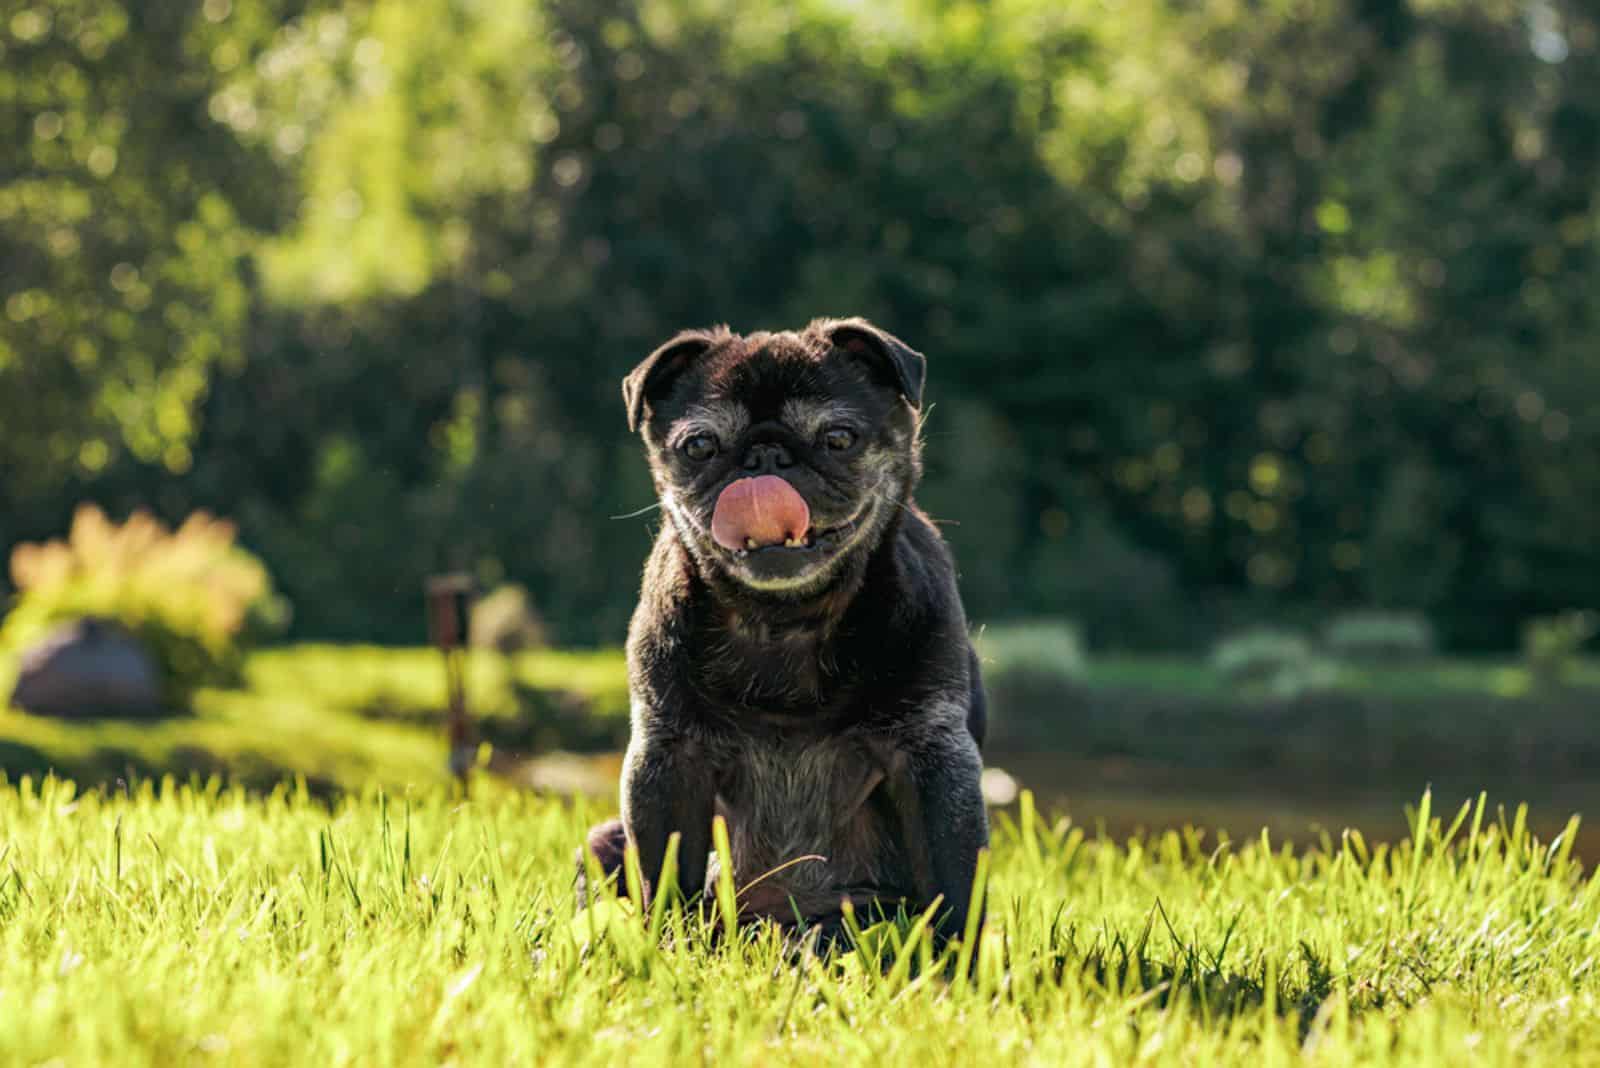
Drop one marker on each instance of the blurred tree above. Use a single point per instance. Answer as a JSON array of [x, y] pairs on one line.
[[1233, 309], [124, 225]]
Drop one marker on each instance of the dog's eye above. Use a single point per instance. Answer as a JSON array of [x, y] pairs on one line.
[[839, 438], [700, 447]]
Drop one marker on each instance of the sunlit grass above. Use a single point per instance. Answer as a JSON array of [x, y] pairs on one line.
[[363, 678], [341, 717], [178, 924]]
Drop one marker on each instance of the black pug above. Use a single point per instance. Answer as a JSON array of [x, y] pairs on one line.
[[799, 660]]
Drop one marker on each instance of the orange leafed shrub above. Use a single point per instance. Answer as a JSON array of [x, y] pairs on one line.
[[191, 595]]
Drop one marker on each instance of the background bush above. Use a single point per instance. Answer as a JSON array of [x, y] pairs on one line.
[[1551, 645], [1278, 662], [192, 597], [1033, 673], [1370, 636], [504, 620]]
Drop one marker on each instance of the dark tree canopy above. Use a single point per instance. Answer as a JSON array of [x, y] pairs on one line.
[[1231, 310]]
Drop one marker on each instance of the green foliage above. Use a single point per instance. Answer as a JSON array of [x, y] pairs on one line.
[[425, 928], [401, 116], [1095, 568], [191, 596], [1378, 636], [1227, 305], [1033, 673], [1281, 663], [126, 220], [1551, 646], [1042, 647], [504, 620]]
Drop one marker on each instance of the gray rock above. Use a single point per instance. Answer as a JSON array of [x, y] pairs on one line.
[[91, 668]]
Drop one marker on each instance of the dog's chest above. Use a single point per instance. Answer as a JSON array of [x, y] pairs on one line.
[[783, 674], [788, 797]]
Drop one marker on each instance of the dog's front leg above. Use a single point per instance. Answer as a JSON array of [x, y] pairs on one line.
[[934, 781], [667, 787]]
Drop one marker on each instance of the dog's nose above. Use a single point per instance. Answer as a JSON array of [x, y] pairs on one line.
[[767, 456]]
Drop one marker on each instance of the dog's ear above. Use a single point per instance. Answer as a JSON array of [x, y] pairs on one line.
[[891, 359], [660, 367]]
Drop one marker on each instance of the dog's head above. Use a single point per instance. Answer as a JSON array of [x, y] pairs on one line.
[[779, 457]]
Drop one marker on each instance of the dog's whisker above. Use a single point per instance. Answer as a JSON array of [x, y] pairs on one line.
[[635, 515], [882, 499]]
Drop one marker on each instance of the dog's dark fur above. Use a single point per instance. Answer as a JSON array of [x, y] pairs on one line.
[[826, 701]]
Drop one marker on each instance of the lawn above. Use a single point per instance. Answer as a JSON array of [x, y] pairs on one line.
[[174, 924], [339, 717], [346, 717]]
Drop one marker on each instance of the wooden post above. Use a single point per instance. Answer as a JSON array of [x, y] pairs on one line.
[[449, 608]]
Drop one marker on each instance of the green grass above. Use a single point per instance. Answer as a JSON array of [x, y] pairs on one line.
[[182, 925], [341, 717], [346, 717], [373, 680]]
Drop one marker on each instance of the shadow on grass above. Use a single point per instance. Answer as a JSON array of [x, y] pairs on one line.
[[115, 768], [1125, 970], [1197, 978], [17, 759]]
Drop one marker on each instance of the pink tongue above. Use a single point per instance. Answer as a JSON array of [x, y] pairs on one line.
[[766, 510]]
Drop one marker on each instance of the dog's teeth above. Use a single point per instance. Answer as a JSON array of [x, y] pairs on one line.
[[749, 543], [791, 543]]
